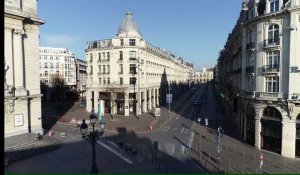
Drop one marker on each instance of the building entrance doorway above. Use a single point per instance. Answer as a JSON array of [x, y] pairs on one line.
[[132, 103], [250, 125], [298, 136], [106, 96], [120, 103], [271, 131]]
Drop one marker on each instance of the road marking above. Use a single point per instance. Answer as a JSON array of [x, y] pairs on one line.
[[182, 149], [165, 129], [177, 118], [182, 130], [115, 152]]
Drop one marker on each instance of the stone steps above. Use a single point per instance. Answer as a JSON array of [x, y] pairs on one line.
[[32, 148]]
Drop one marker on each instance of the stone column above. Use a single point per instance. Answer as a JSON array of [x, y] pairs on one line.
[[126, 103], [88, 100], [245, 126], [257, 132], [150, 102], [288, 137], [96, 101], [145, 102], [18, 62], [157, 97]]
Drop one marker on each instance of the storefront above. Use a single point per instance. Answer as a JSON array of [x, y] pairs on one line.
[[298, 136], [250, 125], [271, 130], [132, 103], [106, 96], [120, 103]]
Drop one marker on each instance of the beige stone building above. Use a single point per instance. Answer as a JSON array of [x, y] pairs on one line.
[[258, 71], [130, 74], [204, 75], [22, 99], [57, 61]]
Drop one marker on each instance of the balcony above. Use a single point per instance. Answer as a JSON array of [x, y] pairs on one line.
[[132, 72], [273, 42], [248, 94], [270, 69], [294, 97], [250, 46], [270, 95], [237, 71], [132, 59]]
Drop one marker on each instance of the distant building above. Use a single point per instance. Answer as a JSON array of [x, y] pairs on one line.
[[129, 74], [22, 94], [81, 76], [204, 75], [57, 61]]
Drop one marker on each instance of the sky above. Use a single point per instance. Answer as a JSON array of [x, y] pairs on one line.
[[195, 30]]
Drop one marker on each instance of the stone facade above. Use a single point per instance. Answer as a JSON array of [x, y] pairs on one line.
[[129, 74], [22, 99], [204, 75], [258, 71]]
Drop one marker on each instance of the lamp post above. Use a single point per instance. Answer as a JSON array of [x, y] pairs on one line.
[[91, 138]]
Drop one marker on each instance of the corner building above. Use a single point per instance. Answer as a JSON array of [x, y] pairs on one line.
[[22, 94], [129, 74], [258, 70]]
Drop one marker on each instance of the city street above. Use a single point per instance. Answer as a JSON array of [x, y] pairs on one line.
[[174, 137]]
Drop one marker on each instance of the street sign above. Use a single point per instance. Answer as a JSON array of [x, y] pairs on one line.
[[157, 112], [169, 98], [206, 121]]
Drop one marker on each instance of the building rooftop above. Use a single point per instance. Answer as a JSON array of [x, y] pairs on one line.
[[128, 26]]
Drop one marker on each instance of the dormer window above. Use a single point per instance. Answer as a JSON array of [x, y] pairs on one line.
[[274, 5], [132, 42], [122, 42]]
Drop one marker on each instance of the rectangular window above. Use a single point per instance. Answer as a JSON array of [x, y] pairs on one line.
[[121, 68], [46, 73], [51, 65], [40, 65], [132, 80], [108, 80], [91, 58], [121, 80], [103, 69], [274, 6], [57, 65], [132, 55], [108, 56], [99, 56], [122, 42], [103, 55], [99, 69], [121, 56], [46, 65], [132, 42], [99, 80], [272, 84], [91, 69], [132, 69], [51, 58], [104, 81], [108, 69]]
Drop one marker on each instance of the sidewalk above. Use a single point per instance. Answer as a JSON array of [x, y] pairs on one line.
[[236, 156]]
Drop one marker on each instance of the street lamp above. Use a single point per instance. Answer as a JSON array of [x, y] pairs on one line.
[[91, 138]]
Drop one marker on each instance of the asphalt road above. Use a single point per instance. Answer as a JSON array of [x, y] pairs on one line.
[[76, 154]]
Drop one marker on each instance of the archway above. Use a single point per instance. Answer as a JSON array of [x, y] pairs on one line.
[[298, 136], [271, 130], [250, 125]]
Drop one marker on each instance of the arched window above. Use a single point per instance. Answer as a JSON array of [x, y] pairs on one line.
[[273, 33], [272, 113]]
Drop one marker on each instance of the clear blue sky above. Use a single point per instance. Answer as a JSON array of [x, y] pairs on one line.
[[192, 29]]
